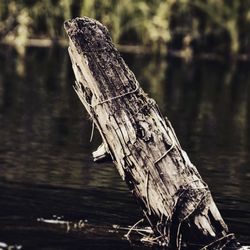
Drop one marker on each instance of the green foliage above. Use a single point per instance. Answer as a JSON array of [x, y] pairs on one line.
[[221, 16], [179, 24]]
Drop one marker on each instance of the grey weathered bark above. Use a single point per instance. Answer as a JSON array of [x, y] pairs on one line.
[[142, 143]]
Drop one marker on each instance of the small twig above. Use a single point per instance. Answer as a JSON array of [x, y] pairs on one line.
[[216, 241], [132, 228], [92, 131], [178, 237], [147, 200], [141, 230], [142, 234], [151, 239], [117, 97], [172, 146]]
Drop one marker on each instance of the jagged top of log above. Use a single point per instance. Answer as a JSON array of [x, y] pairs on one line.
[[92, 41], [91, 35]]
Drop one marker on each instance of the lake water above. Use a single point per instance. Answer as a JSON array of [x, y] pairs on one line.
[[46, 169]]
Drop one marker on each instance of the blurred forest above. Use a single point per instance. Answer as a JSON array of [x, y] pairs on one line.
[[188, 26]]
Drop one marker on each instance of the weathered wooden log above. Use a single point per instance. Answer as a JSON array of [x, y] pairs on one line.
[[142, 143]]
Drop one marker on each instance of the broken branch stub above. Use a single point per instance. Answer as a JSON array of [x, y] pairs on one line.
[[142, 143]]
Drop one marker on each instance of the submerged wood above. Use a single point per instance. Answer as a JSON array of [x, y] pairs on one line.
[[142, 143]]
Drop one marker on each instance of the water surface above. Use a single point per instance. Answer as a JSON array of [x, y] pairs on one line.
[[46, 168]]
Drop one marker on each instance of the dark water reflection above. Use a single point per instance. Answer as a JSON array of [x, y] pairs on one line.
[[45, 163]]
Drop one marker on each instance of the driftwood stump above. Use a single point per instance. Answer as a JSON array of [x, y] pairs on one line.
[[142, 143]]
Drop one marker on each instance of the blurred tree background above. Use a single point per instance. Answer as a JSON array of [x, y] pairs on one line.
[[188, 26]]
